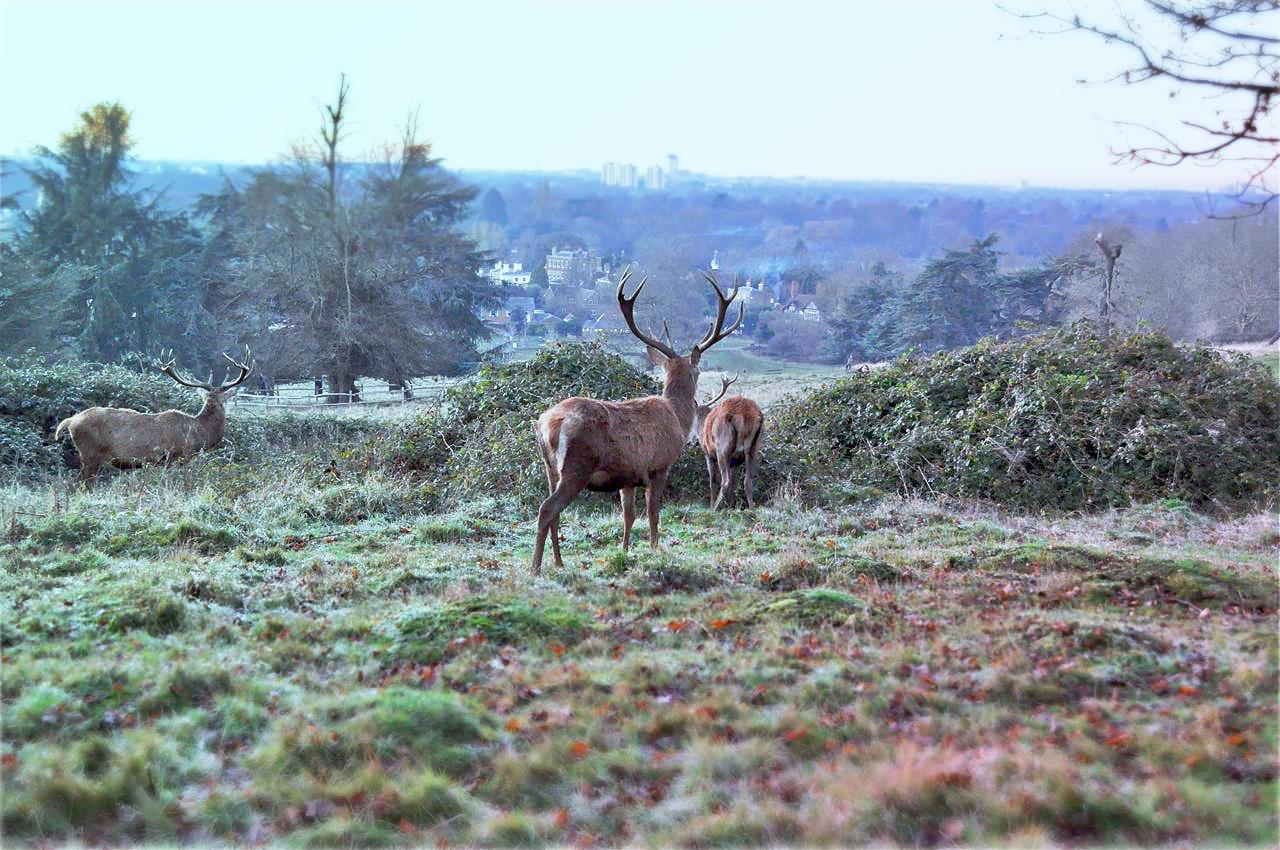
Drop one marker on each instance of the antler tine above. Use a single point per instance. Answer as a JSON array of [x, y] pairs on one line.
[[715, 334], [245, 368], [170, 368], [725, 383], [628, 306]]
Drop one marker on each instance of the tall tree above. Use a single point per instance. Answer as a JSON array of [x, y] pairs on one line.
[[106, 269], [349, 269], [960, 298]]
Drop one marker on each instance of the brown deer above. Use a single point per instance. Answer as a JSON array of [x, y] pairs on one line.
[[124, 438], [620, 445], [730, 432]]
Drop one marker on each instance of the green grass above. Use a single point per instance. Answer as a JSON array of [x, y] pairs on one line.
[[294, 661]]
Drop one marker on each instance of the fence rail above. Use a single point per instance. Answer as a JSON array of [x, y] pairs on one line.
[[370, 394]]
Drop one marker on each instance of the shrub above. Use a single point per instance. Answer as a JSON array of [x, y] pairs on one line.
[[1072, 419], [35, 395], [480, 441]]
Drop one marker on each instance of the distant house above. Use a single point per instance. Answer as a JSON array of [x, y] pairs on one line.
[[507, 274], [499, 322], [521, 304], [805, 308], [607, 324], [572, 267]]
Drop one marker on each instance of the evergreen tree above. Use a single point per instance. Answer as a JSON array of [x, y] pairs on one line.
[[102, 269]]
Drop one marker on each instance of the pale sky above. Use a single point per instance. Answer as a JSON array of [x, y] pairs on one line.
[[912, 91]]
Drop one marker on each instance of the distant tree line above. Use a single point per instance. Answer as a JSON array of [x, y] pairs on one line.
[[347, 267], [321, 265]]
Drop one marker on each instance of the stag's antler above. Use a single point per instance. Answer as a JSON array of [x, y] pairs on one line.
[[715, 334], [628, 306], [725, 383], [168, 367]]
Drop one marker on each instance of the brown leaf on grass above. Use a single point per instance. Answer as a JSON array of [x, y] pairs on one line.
[[579, 748], [562, 818], [796, 734], [407, 827], [722, 623], [514, 724], [1118, 738]]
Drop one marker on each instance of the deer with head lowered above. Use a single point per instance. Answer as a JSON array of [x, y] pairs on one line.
[[729, 433], [124, 438], [606, 446]]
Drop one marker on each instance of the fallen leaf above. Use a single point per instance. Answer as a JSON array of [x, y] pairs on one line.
[[562, 818], [579, 748]]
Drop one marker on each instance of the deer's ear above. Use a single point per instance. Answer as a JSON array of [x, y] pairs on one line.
[[656, 357]]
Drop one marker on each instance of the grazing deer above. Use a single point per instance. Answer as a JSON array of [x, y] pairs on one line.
[[619, 445], [124, 438], [729, 432]]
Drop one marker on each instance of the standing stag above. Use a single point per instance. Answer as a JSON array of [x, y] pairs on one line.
[[618, 445], [125, 438], [729, 432]]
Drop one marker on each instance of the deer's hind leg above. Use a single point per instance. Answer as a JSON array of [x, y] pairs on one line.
[[627, 496], [725, 442], [553, 526], [751, 464], [653, 503]]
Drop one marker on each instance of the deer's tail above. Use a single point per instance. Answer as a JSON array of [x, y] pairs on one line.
[[65, 423]]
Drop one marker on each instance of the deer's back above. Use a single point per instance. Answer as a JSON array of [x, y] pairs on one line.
[[611, 444], [125, 435], [736, 418]]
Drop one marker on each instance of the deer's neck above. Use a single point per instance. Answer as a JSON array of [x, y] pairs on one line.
[[213, 417], [679, 390]]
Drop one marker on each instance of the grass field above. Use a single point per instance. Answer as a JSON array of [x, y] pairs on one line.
[[273, 654]]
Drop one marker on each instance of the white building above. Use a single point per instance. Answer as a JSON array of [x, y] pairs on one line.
[[510, 274]]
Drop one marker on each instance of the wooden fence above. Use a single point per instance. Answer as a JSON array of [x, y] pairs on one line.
[[369, 393]]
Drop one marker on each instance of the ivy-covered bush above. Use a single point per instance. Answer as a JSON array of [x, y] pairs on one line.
[[480, 439], [1072, 419], [35, 395]]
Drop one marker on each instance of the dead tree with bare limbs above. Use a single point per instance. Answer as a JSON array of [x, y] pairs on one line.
[[1110, 253]]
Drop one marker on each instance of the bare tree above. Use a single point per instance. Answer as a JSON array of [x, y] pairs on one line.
[[1110, 251], [1223, 50]]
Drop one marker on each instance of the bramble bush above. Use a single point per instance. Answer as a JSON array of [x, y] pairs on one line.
[[35, 395], [1072, 419], [480, 439]]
